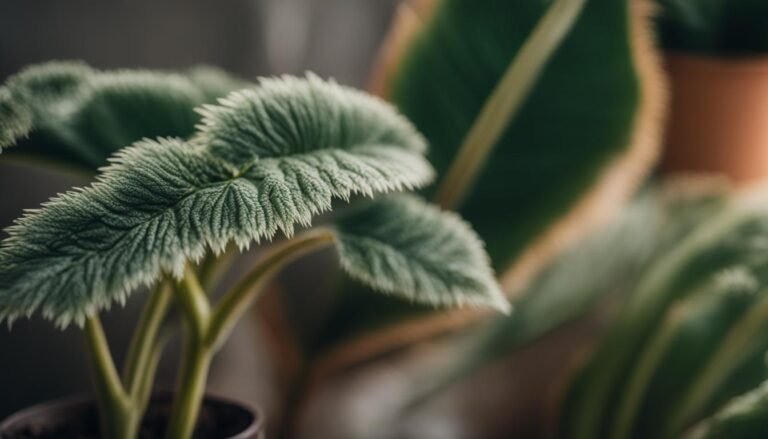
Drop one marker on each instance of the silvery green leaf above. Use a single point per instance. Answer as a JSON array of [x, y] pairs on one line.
[[162, 202]]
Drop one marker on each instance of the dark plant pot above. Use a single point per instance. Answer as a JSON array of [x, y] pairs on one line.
[[77, 418], [717, 121]]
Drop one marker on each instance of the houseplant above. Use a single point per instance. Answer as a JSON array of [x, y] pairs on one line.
[[259, 164]]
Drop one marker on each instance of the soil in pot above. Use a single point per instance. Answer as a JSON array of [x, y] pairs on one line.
[[78, 419]]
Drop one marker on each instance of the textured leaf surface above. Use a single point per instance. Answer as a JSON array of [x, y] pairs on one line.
[[162, 202], [80, 116], [746, 417], [403, 246]]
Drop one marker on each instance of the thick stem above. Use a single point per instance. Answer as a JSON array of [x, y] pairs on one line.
[[207, 330], [234, 303], [144, 340], [118, 417], [195, 308], [506, 100], [191, 389]]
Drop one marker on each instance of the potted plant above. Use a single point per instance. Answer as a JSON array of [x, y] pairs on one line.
[[187, 192], [716, 58]]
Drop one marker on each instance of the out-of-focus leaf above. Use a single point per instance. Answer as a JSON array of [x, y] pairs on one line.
[[580, 118], [734, 238], [68, 112], [689, 336], [402, 245], [266, 160], [745, 417], [584, 137], [608, 261]]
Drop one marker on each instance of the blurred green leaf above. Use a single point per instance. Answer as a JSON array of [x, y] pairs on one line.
[[607, 262], [746, 417], [734, 240], [578, 121], [67, 112]]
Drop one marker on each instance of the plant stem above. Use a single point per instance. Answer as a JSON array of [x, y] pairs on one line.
[[241, 296], [197, 358], [144, 339], [191, 389], [118, 417], [207, 329], [506, 100]]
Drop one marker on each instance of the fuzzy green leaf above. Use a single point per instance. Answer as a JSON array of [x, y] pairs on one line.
[[403, 246], [80, 116], [163, 202]]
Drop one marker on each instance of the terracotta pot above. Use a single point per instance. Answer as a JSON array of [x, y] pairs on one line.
[[77, 418], [719, 117]]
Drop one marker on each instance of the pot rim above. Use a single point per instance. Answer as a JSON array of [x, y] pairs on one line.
[[83, 401]]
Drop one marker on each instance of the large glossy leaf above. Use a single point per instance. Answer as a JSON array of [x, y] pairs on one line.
[[403, 246], [580, 119], [266, 160], [68, 112], [584, 137], [732, 241]]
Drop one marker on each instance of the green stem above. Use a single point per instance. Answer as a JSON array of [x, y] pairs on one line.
[[194, 303], [506, 100], [118, 416], [196, 309], [191, 389], [722, 364], [144, 388], [235, 302], [207, 330], [144, 339]]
